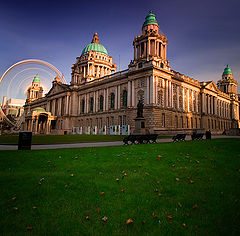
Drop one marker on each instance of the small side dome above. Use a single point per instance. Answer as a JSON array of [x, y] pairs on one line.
[[95, 46], [227, 71], [150, 19], [39, 109], [36, 78]]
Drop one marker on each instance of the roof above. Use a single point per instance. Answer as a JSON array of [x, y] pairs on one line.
[[39, 109], [95, 46], [227, 71], [150, 19], [36, 78]]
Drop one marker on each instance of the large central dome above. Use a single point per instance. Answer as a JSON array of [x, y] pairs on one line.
[[95, 46]]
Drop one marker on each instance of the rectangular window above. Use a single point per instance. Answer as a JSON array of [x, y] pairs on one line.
[[124, 120], [182, 122], [120, 120], [176, 121], [112, 120], [107, 121], [163, 120], [187, 122]]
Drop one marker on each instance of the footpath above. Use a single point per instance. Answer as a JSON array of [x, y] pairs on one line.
[[94, 144]]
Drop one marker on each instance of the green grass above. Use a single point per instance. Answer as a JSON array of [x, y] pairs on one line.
[[63, 201], [58, 139]]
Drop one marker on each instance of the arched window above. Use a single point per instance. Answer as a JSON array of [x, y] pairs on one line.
[[91, 104], [125, 98], [83, 105], [112, 100], [101, 103]]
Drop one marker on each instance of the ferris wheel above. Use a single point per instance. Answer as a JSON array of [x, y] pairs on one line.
[[17, 124]]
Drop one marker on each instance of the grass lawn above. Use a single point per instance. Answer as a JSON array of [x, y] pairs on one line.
[[54, 139], [188, 188]]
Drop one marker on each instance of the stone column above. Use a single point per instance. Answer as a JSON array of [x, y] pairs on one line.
[[133, 94], [36, 125], [119, 98], [193, 101], [53, 106], [188, 102], [203, 102], [116, 98], [59, 106], [67, 98], [170, 93], [147, 97], [153, 90], [183, 100], [94, 101], [148, 48], [129, 94], [106, 102], [166, 94], [177, 96]]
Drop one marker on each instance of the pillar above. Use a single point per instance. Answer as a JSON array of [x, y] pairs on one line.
[[119, 98], [133, 94], [177, 96]]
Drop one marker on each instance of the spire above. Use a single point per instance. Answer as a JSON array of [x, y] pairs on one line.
[[95, 38]]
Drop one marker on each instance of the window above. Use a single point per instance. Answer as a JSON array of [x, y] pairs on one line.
[[142, 83], [176, 121], [124, 120], [112, 100], [192, 122], [107, 121], [91, 104], [83, 105], [120, 120], [112, 120], [196, 123], [163, 120], [101, 103], [125, 98], [187, 123]]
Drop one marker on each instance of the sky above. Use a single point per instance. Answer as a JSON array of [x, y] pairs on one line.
[[203, 36]]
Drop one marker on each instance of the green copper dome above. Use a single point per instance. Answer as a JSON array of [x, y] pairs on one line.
[[36, 78], [227, 71], [97, 47], [150, 19], [39, 109]]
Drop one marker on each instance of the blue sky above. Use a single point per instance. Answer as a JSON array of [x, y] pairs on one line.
[[203, 35]]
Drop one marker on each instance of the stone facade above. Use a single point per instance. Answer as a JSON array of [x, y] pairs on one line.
[[173, 102]]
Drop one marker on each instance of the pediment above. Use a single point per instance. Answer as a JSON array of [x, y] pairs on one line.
[[212, 86], [56, 88]]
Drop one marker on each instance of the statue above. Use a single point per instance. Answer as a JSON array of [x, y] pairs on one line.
[[140, 109]]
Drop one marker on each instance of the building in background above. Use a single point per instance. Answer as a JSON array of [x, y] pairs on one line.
[[98, 100]]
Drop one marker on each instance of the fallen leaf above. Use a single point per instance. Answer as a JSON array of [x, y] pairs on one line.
[[154, 215], [87, 218], [129, 221], [123, 190], [146, 173], [195, 206], [184, 225], [170, 217], [34, 207], [117, 179], [134, 171], [100, 173], [71, 175], [160, 195], [159, 156], [179, 204], [177, 179], [66, 186], [98, 211], [191, 182], [102, 193], [15, 208], [104, 219], [29, 227], [14, 198]]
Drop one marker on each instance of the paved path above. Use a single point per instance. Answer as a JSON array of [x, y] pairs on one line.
[[94, 144]]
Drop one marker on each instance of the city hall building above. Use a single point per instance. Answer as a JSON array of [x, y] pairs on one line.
[[100, 100]]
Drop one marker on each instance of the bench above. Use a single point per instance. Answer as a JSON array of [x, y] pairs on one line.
[[197, 136], [179, 137], [140, 138]]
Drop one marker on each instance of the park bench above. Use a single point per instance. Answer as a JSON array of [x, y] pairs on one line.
[[197, 136], [179, 137], [140, 138]]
